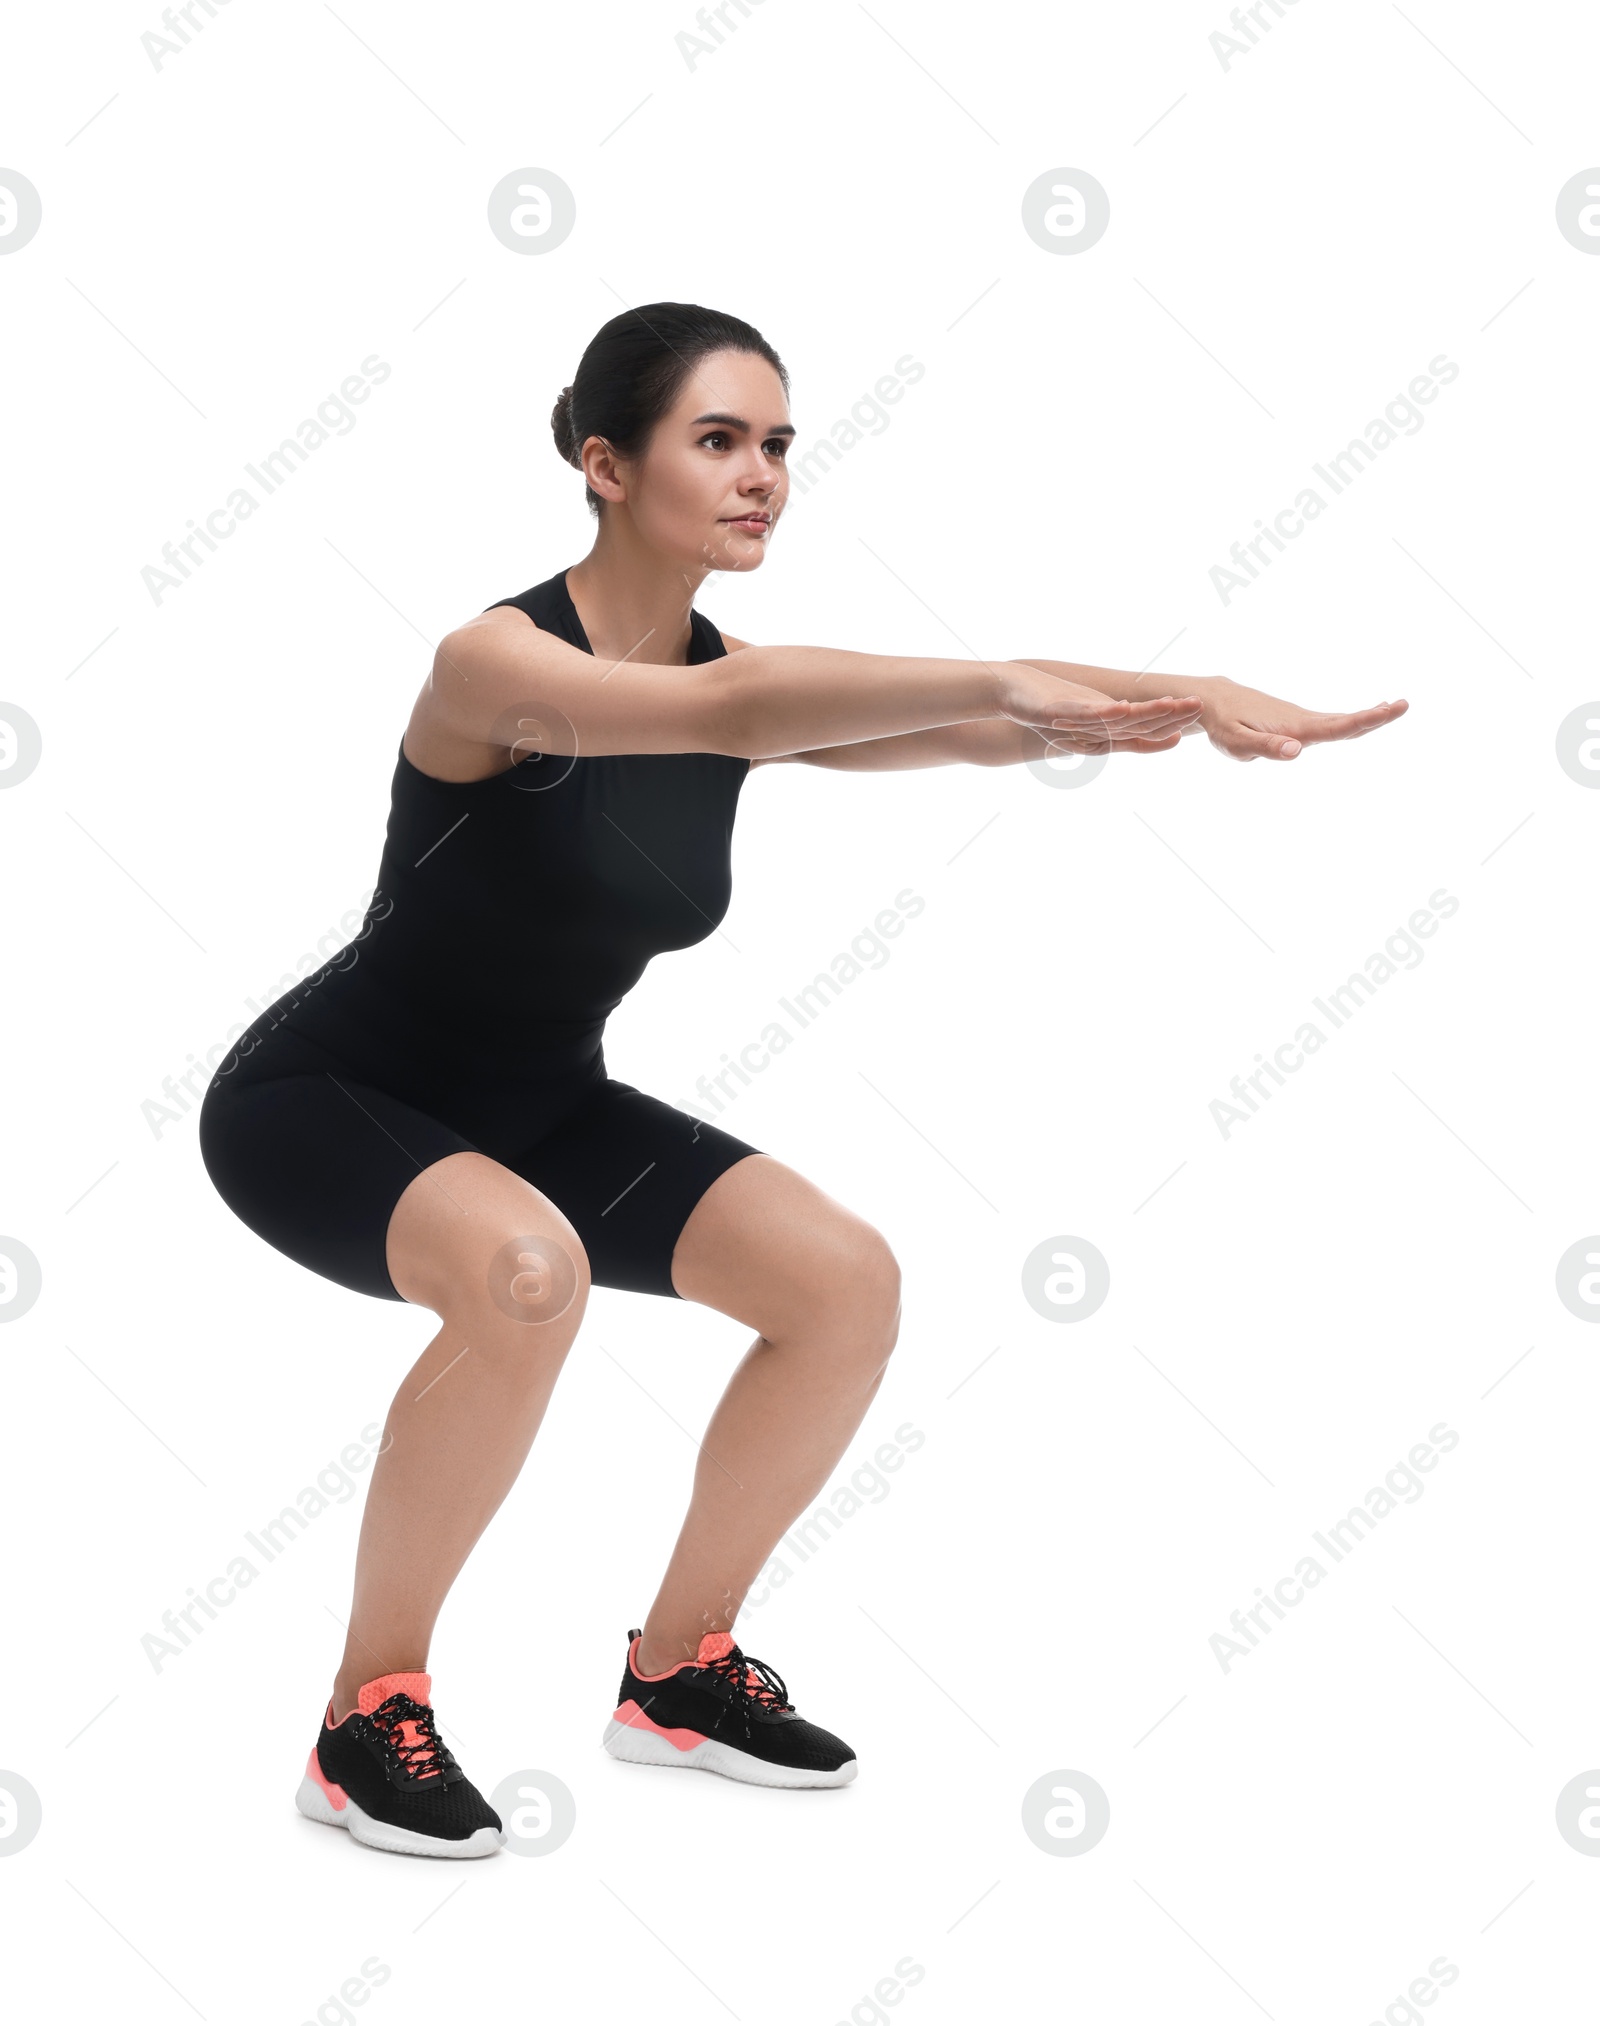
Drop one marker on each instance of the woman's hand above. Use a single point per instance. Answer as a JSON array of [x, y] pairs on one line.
[[1247, 724], [1082, 720]]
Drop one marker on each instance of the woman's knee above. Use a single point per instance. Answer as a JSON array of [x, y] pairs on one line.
[[881, 1292], [878, 1276], [770, 1248], [854, 1294], [479, 1245]]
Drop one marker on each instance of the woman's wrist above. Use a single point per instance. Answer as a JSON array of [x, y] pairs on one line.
[[1126, 685], [1177, 685]]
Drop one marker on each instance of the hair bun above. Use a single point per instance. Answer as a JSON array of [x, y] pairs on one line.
[[561, 425]]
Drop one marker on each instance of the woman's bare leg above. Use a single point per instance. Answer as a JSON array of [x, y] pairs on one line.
[[464, 1418], [822, 1288]]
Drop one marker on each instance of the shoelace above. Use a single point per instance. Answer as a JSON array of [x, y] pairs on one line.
[[753, 1678], [411, 1744]]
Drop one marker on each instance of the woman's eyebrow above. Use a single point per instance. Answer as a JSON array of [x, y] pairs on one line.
[[738, 422]]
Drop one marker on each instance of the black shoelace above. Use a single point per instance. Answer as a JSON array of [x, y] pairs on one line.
[[768, 1689], [423, 1754]]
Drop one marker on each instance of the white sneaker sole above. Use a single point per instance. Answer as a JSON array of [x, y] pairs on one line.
[[314, 1803], [646, 1748]]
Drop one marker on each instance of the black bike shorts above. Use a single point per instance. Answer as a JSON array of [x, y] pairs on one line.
[[313, 1158]]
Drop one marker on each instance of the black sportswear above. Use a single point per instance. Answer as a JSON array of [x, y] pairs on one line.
[[511, 914]]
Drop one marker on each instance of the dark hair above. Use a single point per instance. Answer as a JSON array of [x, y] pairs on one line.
[[633, 369]]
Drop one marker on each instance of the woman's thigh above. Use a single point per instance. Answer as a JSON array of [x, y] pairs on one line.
[[771, 1249], [314, 1162], [629, 1170]]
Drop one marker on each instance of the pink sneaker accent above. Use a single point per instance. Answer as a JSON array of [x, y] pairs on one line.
[[370, 1694], [633, 1663], [337, 1797], [713, 1646], [630, 1714], [417, 1685]]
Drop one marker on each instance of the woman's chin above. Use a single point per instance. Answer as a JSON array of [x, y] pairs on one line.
[[735, 551]]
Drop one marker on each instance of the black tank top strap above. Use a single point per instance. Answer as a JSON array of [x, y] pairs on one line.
[[549, 605]]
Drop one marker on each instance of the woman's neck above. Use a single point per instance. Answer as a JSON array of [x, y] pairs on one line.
[[634, 603]]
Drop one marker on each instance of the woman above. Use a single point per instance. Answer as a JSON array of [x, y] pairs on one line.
[[429, 1118]]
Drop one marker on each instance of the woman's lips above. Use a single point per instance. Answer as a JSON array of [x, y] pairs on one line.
[[750, 525]]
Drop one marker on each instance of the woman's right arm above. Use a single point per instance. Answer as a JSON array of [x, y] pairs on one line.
[[500, 671], [780, 700]]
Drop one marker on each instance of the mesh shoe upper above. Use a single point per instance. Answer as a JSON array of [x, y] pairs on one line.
[[724, 1693], [387, 1755]]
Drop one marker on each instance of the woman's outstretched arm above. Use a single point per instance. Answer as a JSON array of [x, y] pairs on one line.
[[997, 740], [1244, 723], [502, 682], [981, 742], [778, 702]]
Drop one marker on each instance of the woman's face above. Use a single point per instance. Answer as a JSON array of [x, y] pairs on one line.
[[716, 457]]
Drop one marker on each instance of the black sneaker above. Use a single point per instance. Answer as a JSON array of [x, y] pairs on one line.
[[387, 1776], [726, 1713]]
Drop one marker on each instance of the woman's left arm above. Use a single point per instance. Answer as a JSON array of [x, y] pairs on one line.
[[980, 742], [1244, 723]]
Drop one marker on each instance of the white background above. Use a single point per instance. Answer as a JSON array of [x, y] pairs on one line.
[[1292, 1307]]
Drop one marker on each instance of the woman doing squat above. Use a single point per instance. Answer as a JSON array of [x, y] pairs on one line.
[[429, 1118]]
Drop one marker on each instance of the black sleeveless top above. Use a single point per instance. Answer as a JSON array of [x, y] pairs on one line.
[[511, 914]]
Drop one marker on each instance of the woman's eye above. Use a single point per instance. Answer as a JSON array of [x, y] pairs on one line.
[[776, 445]]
